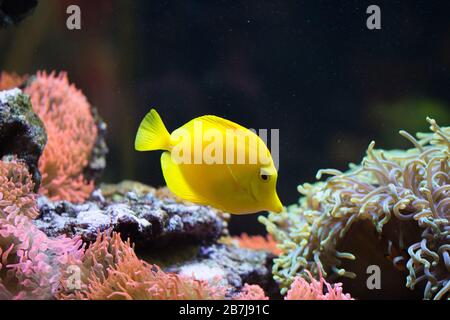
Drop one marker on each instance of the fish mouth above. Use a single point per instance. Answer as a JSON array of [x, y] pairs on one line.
[[273, 205], [278, 209]]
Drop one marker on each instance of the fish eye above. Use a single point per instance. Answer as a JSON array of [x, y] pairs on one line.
[[264, 177]]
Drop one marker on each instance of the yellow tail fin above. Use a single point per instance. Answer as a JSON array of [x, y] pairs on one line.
[[152, 134]]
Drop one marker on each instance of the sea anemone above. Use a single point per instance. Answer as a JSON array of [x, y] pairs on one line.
[[16, 190], [315, 290], [72, 134], [134, 279], [30, 261], [251, 292], [402, 195], [110, 269]]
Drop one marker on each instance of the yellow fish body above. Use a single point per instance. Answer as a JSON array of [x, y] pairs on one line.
[[213, 161]]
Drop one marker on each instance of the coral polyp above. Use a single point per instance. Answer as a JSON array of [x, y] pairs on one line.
[[30, 261], [110, 269], [251, 292], [312, 289], [16, 190], [72, 134], [403, 195]]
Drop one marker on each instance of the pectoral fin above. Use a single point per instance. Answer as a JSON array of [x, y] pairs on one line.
[[239, 183], [176, 182], [233, 176]]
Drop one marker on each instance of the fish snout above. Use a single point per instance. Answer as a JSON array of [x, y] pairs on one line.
[[276, 206]]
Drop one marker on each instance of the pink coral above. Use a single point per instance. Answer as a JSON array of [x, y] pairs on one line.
[[71, 132], [314, 290], [251, 292], [110, 269], [30, 261], [16, 190]]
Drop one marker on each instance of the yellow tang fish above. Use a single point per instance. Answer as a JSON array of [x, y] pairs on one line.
[[213, 161]]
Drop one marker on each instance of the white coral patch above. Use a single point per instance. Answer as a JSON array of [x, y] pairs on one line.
[[201, 271], [7, 95]]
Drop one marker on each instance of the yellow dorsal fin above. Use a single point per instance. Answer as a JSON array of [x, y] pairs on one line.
[[152, 134], [221, 122]]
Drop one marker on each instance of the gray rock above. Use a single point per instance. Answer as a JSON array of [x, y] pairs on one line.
[[147, 220], [97, 160], [22, 133], [233, 265]]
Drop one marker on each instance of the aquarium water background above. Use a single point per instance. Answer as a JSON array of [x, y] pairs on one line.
[[309, 68]]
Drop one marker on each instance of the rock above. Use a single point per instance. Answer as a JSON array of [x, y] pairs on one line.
[[233, 265], [97, 160], [22, 133], [147, 220], [117, 192]]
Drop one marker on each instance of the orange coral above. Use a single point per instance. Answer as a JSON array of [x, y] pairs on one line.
[[16, 190], [101, 255], [134, 279], [257, 243], [11, 80], [71, 132], [251, 292], [303, 290], [111, 270]]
